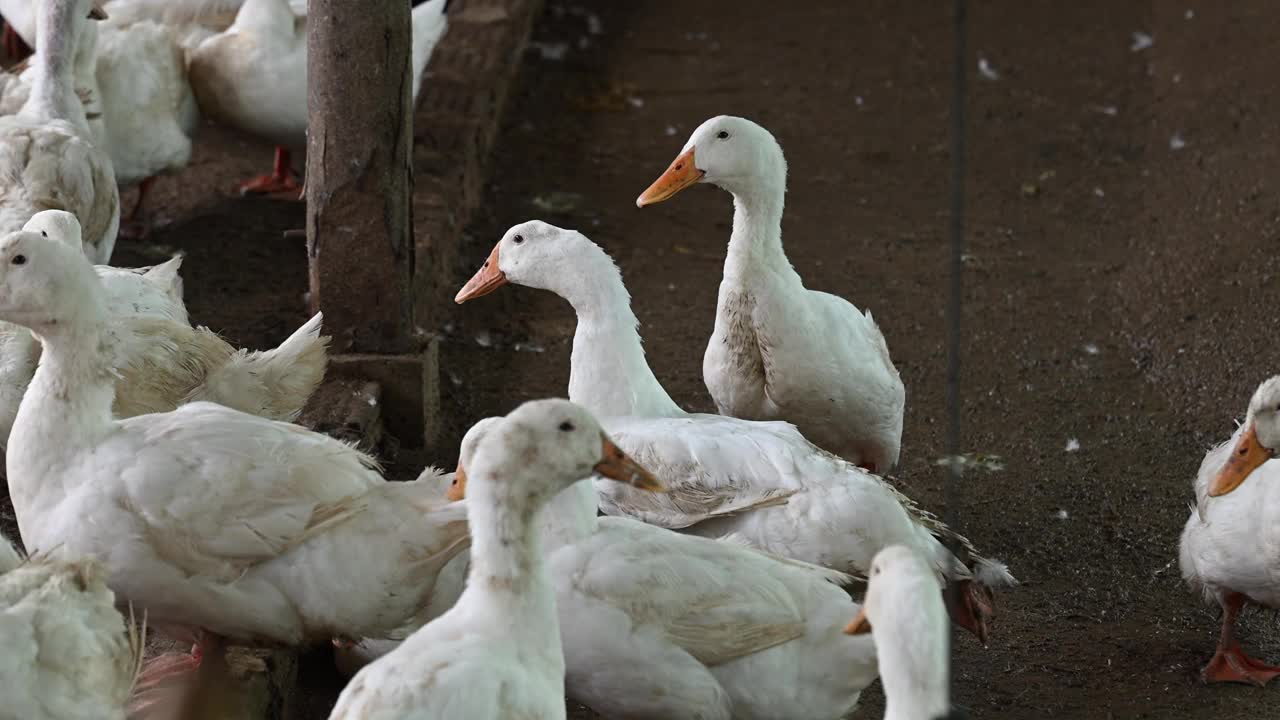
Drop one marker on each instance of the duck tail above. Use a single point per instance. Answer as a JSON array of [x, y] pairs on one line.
[[274, 383], [292, 372], [168, 275], [992, 573], [971, 597], [970, 579]]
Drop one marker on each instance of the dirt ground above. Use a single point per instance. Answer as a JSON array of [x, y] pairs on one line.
[[1122, 236], [1123, 222]]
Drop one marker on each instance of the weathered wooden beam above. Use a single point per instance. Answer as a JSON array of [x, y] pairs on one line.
[[359, 177]]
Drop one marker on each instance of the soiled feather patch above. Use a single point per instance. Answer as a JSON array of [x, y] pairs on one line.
[[687, 503], [164, 362], [752, 355], [715, 622]]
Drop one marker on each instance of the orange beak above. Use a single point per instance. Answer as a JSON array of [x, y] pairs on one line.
[[859, 625], [682, 173], [458, 488], [1245, 457], [617, 465], [487, 279]]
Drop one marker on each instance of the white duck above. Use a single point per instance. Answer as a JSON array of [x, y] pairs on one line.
[[350, 656], [130, 74], [47, 156], [185, 16], [655, 624], [214, 15], [910, 628], [161, 360], [496, 654], [67, 653], [207, 519], [149, 111], [253, 76], [781, 351], [16, 81], [724, 474], [1230, 549]]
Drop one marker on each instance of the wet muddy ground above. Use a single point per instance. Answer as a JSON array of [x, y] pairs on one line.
[[1120, 278]]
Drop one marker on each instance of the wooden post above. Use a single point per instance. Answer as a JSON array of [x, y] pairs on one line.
[[359, 184], [359, 177]]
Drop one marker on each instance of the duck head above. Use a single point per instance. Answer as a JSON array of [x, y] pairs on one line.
[[1257, 442], [538, 255], [58, 225], [729, 152], [44, 283], [559, 435], [904, 610], [458, 488]]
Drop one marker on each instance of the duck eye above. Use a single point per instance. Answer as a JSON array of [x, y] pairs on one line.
[[723, 134], [518, 239], [566, 426], [19, 260], [44, 234]]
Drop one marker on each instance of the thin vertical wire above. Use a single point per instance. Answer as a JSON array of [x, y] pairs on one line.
[[958, 126]]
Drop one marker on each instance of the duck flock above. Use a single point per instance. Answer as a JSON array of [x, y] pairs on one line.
[[645, 561]]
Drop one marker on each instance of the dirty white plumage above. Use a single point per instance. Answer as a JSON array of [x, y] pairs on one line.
[[130, 75], [161, 360], [496, 654], [67, 652], [48, 159], [781, 351], [349, 657], [909, 624], [16, 82], [206, 518], [253, 75], [656, 624], [1230, 549], [149, 110], [835, 515]]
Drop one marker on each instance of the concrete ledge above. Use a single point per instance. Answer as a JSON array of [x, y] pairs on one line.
[[408, 395], [456, 123]]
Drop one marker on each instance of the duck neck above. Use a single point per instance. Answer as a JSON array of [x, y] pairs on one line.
[[67, 406], [508, 580], [915, 704], [570, 516], [58, 32], [755, 247], [609, 374], [915, 684], [74, 385], [84, 70]]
